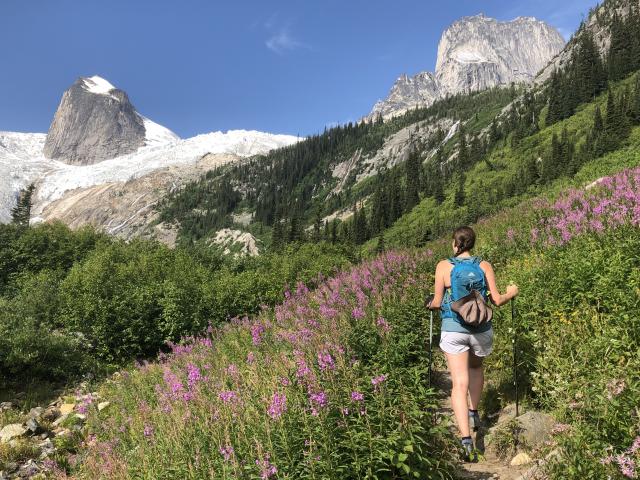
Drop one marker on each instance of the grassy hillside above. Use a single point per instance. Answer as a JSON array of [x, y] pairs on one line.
[[315, 387]]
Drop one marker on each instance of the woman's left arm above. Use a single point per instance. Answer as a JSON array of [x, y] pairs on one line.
[[438, 287]]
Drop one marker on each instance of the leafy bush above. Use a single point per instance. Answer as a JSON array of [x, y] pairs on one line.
[[30, 345], [129, 299]]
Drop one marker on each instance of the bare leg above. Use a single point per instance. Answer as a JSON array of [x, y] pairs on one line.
[[476, 380], [459, 369]]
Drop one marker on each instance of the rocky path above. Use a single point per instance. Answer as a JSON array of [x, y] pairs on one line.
[[489, 466]]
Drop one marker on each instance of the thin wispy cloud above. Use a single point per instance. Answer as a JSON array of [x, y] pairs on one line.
[[281, 40]]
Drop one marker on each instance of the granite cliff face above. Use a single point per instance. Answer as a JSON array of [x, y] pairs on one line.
[[95, 121], [476, 53]]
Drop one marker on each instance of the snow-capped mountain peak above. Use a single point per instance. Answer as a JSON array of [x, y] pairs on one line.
[[98, 85]]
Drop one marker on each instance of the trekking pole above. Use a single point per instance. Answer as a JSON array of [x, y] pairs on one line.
[[430, 342], [428, 304], [515, 352]]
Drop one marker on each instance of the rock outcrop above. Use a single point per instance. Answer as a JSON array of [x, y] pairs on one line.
[[236, 242], [476, 53], [95, 121], [407, 93]]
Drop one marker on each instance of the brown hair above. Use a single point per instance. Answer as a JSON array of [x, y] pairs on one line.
[[464, 239]]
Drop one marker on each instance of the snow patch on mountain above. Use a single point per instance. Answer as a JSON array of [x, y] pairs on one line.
[[157, 134], [98, 85]]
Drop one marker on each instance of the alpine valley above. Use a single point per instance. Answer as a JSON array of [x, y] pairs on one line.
[[246, 305]]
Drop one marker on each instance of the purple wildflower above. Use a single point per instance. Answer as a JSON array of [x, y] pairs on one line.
[[383, 325], [227, 396], [227, 452], [278, 405], [376, 381], [148, 431], [357, 396], [193, 375], [267, 470], [325, 361]]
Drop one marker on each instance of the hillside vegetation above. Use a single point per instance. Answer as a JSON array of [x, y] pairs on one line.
[[331, 383], [310, 362]]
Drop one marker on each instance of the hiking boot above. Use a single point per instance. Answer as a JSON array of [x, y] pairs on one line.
[[469, 453], [474, 421]]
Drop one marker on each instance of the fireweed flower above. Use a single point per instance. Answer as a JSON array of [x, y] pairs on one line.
[[227, 452], [232, 370], [325, 361], [193, 375], [278, 405], [303, 370], [357, 396], [267, 470], [376, 381], [284, 381], [318, 401], [256, 331], [173, 382], [357, 313], [383, 325], [227, 396], [148, 431]]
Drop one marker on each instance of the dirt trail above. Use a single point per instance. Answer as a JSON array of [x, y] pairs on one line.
[[489, 467]]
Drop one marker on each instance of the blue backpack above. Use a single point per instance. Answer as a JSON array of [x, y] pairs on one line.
[[466, 276]]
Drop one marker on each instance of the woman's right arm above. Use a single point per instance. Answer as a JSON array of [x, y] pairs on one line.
[[496, 297]]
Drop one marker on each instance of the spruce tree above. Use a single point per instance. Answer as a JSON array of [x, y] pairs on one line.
[[360, 226], [555, 99], [475, 151], [459, 193], [438, 189], [317, 227], [21, 213], [277, 235], [635, 103], [612, 125], [463, 152], [412, 170]]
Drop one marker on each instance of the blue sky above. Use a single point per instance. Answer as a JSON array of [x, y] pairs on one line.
[[290, 66]]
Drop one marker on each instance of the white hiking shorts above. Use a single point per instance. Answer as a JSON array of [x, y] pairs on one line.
[[481, 344]]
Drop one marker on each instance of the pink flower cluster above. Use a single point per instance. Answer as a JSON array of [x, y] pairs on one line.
[[615, 201], [278, 405], [626, 461]]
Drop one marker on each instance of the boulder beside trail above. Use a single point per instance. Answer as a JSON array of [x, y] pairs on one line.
[[12, 431]]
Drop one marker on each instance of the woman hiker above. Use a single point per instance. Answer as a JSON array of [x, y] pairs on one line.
[[464, 345]]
